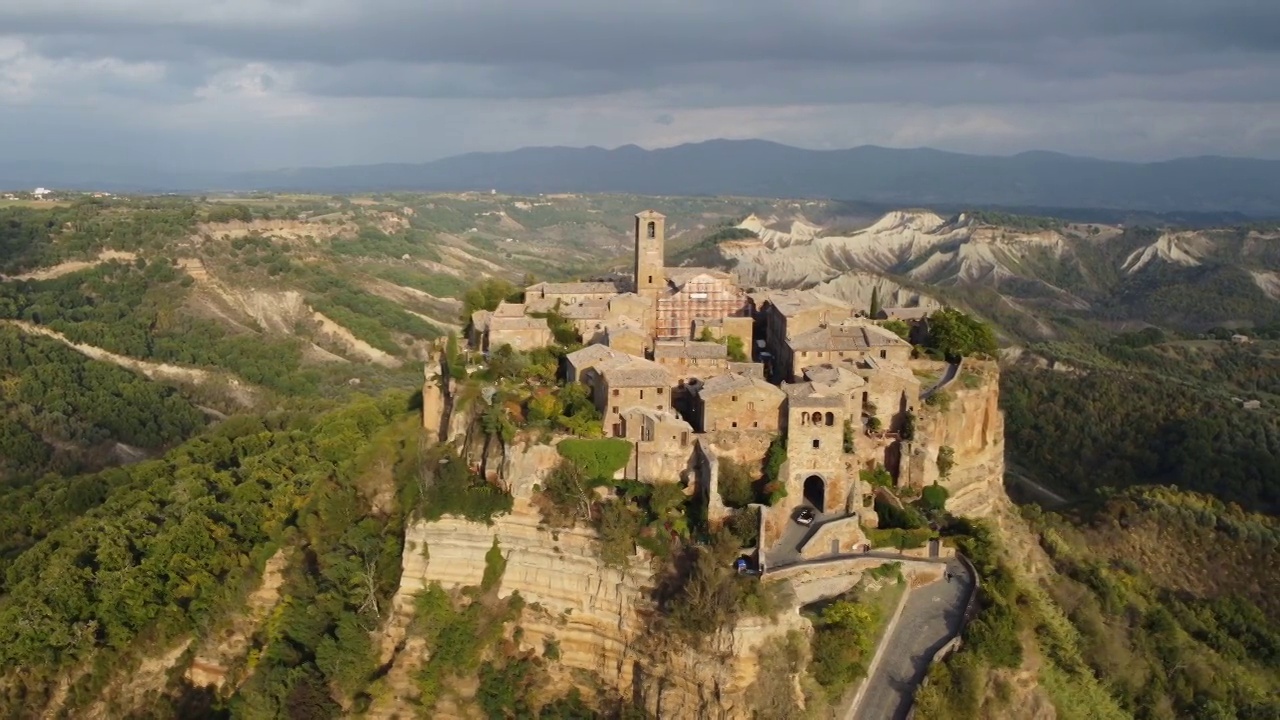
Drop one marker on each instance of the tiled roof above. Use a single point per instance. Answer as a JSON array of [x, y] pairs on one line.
[[689, 349], [507, 309], [811, 395], [658, 416], [630, 371], [850, 336], [834, 376], [790, 302], [749, 369], [725, 384], [573, 288], [678, 276], [591, 355]]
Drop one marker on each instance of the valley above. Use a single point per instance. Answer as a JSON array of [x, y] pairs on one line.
[[257, 454]]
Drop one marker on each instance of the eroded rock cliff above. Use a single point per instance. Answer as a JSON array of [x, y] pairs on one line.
[[972, 425], [595, 614]]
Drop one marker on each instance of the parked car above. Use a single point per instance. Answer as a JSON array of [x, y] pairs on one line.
[[806, 516]]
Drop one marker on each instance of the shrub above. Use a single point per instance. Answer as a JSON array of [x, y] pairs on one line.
[[946, 460], [940, 400], [933, 498], [736, 483], [600, 458]]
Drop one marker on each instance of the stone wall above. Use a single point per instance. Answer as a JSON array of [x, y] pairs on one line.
[[593, 612], [846, 533]]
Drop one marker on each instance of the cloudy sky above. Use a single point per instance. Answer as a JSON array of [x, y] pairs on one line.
[[241, 84]]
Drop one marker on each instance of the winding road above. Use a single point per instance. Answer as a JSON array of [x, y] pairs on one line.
[[931, 616]]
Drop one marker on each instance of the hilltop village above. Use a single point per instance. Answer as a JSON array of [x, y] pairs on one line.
[[690, 368]]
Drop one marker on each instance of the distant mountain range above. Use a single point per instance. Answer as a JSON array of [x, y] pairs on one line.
[[921, 177]]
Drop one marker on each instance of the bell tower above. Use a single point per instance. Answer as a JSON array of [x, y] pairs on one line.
[[650, 261]]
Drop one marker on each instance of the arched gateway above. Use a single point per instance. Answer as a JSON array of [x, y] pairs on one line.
[[815, 492]]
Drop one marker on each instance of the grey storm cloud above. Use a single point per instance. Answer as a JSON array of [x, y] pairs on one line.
[[363, 79], [493, 48]]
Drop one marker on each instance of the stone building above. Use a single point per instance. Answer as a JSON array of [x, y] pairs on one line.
[[664, 444], [626, 336], [738, 402], [650, 264], [694, 293], [544, 296], [579, 361], [847, 341], [625, 382], [691, 359], [509, 325], [742, 328], [816, 472]]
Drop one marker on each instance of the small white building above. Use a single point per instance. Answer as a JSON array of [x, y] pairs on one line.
[[40, 193]]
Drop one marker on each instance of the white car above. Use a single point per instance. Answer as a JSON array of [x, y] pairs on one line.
[[806, 516]]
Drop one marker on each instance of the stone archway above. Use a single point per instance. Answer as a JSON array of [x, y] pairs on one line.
[[815, 492]]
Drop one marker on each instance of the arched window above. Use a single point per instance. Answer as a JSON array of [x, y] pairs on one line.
[[653, 229], [831, 419], [817, 418]]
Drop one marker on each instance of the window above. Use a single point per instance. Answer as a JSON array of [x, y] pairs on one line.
[[653, 231], [661, 407], [804, 353], [755, 424], [751, 406], [641, 394], [646, 434], [616, 392], [650, 279], [831, 419], [884, 353], [734, 424], [816, 443], [617, 429], [615, 409], [660, 390], [816, 419], [735, 398]]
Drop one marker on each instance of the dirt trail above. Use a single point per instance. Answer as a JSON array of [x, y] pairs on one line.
[[72, 266], [242, 392], [218, 654], [353, 344]]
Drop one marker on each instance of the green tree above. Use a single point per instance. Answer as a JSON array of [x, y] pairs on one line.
[[946, 461], [956, 334], [875, 302], [736, 349]]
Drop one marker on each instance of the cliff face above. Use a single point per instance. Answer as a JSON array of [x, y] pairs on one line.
[[973, 426], [594, 613]]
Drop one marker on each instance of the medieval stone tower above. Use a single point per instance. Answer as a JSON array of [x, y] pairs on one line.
[[650, 234], [816, 471]]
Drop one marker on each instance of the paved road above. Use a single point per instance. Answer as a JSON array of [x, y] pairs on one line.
[[948, 376], [933, 615], [787, 549]]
